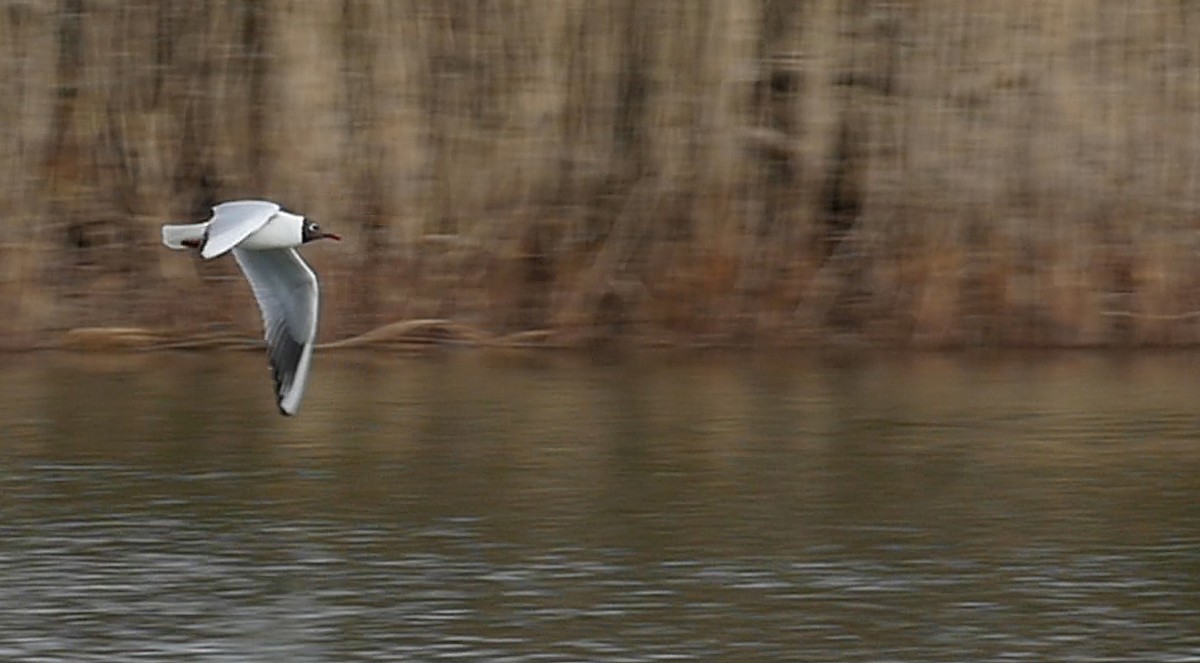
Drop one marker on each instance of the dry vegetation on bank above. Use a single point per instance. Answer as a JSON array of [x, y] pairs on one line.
[[933, 173]]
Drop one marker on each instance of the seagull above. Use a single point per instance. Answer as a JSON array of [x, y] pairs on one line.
[[263, 238]]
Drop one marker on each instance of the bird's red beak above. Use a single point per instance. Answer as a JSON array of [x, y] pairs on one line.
[[334, 236]]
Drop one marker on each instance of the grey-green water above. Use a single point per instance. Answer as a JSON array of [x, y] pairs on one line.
[[477, 507]]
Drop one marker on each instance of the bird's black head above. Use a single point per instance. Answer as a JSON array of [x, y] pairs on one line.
[[312, 231]]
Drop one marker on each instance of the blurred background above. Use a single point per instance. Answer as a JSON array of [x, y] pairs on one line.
[[894, 173], [933, 173]]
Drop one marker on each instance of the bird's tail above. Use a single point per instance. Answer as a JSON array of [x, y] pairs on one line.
[[174, 236]]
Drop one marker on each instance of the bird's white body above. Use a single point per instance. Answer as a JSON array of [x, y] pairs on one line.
[[282, 231], [263, 239], [256, 225]]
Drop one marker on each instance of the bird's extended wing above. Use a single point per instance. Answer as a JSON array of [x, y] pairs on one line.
[[286, 290], [234, 221]]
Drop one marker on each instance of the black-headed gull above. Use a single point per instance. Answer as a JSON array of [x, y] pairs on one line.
[[263, 238]]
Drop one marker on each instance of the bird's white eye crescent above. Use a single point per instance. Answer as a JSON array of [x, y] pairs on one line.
[[312, 227]]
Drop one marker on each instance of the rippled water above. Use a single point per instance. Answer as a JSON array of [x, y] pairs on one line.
[[534, 508]]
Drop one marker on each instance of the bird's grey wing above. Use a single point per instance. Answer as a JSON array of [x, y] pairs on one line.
[[286, 290], [234, 221]]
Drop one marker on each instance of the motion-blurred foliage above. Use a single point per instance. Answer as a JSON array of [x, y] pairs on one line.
[[912, 172]]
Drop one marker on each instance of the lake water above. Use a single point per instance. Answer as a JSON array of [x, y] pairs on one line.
[[489, 507]]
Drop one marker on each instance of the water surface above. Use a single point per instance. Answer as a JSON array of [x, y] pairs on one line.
[[485, 507]]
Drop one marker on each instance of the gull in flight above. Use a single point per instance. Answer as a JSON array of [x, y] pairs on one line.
[[263, 238]]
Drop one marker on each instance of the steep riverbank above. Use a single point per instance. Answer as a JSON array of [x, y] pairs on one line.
[[932, 174]]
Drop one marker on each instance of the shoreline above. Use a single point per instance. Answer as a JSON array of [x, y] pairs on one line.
[[437, 334]]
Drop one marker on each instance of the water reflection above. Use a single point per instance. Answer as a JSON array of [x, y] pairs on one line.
[[493, 507]]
